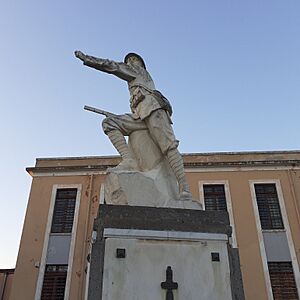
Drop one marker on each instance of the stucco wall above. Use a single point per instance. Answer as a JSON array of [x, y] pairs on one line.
[[6, 281], [32, 241], [87, 172]]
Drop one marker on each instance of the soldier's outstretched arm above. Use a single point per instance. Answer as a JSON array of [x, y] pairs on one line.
[[121, 70]]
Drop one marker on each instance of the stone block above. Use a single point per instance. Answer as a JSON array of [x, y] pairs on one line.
[[156, 188], [151, 239]]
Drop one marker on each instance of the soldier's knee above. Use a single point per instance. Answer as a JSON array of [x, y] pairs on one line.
[[170, 147]]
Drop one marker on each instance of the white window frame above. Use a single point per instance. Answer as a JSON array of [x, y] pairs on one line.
[[286, 229], [228, 203], [43, 261]]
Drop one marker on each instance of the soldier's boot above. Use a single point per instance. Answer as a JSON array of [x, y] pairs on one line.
[[119, 142], [176, 163]]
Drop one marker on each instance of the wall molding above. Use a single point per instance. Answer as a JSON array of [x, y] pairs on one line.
[[43, 260]]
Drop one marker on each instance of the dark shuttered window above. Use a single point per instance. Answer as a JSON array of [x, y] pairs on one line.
[[268, 206], [63, 216], [214, 197], [283, 281], [54, 282]]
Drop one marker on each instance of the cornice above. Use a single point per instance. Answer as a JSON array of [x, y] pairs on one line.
[[250, 163], [191, 165]]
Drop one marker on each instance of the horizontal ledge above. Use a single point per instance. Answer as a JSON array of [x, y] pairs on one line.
[[162, 235], [83, 170]]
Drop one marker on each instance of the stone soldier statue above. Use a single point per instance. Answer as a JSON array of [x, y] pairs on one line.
[[150, 110]]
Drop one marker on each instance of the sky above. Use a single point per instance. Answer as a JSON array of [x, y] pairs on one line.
[[230, 68]]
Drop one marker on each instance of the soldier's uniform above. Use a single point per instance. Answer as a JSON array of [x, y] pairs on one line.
[[150, 110]]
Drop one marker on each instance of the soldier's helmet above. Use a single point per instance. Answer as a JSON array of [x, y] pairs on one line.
[[134, 55]]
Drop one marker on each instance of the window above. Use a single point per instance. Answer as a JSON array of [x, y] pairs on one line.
[[283, 281], [214, 197], [268, 206], [64, 208], [54, 282]]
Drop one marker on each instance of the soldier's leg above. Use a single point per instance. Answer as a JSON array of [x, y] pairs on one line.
[[176, 163], [160, 128], [116, 128]]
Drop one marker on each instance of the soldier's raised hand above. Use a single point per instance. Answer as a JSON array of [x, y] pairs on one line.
[[79, 55]]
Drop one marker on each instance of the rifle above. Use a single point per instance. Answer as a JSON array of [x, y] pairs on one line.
[[99, 111]]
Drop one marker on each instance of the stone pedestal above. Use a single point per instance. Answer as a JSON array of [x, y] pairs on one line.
[[153, 184], [150, 188], [155, 188], [135, 246]]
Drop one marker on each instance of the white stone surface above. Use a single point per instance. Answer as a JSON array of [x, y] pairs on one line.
[[139, 275], [154, 184], [140, 188], [149, 125], [144, 150], [152, 188], [156, 188], [163, 235]]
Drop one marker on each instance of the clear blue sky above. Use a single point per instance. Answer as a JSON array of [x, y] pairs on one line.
[[231, 70]]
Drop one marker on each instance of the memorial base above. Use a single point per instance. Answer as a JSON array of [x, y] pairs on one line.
[[163, 253]]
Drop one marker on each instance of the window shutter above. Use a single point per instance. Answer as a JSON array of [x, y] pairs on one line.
[[214, 197], [283, 281], [63, 216], [54, 282], [268, 206]]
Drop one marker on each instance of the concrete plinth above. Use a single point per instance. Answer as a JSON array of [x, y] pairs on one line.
[[135, 245]]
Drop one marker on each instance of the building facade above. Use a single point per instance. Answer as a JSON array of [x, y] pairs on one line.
[[6, 280], [260, 191]]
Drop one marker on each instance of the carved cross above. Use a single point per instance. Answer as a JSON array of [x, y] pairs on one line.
[[169, 285]]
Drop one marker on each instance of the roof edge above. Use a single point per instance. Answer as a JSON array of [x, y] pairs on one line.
[[184, 154]]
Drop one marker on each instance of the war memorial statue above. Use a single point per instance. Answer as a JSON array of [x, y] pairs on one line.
[[148, 228], [149, 110]]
